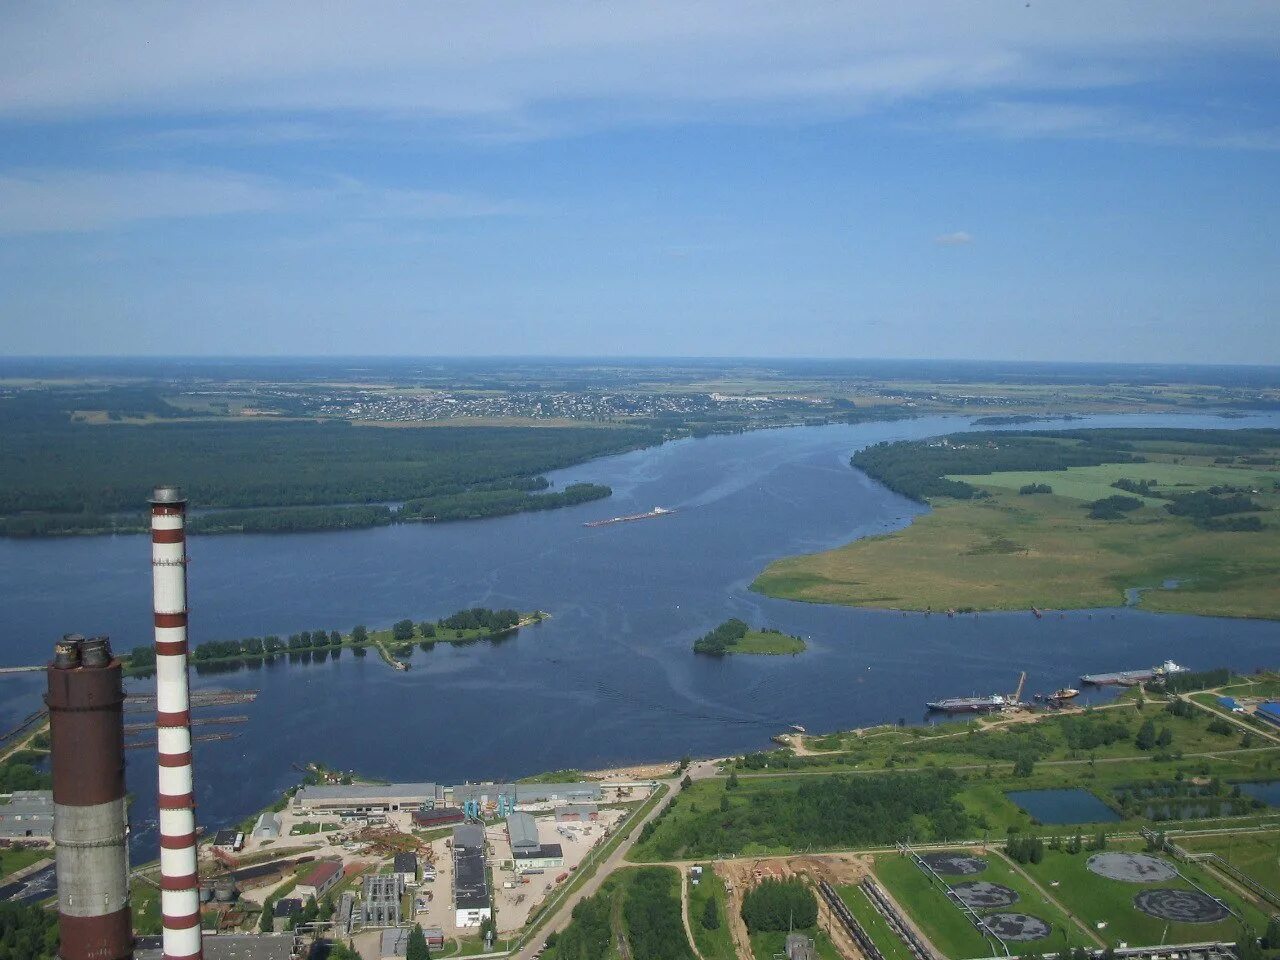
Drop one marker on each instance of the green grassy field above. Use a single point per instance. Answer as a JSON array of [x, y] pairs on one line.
[[13, 860], [771, 642], [1093, 483], [1255, 854], [948, 928], [713, 944], [1008, 551], [1094, 899], [889, 943], [1012, 552]]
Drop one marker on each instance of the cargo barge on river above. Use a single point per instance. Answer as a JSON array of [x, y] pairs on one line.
[[1131, 678], [655, 512]]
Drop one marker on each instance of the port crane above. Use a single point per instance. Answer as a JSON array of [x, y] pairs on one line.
[[1016, 697]]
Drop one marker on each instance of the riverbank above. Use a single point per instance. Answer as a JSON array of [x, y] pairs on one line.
[[1018, 539]]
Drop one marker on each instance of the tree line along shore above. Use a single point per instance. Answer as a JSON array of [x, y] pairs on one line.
[[394, 644], [61, 478]]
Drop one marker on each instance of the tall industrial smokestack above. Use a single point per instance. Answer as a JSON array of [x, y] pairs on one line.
[[179, 883], [86, 703]]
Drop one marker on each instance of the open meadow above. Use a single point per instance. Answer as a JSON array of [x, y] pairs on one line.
[[988, 546]]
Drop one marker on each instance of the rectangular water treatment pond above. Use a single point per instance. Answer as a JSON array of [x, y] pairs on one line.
[[1057, 807]]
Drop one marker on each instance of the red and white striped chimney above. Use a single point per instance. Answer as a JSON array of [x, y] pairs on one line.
[[179, 883]]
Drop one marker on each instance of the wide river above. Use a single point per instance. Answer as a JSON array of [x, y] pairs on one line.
[[610, 679]]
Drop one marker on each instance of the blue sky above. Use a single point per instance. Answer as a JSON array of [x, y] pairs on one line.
[[1086, 180]]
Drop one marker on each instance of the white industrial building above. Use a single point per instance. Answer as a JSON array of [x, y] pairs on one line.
[[527, 850], [27, 813], [471, 902], [361, 799]]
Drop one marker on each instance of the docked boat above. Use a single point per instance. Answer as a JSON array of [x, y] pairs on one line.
[[796, 728], [996, 701], [1130, 678], [1066, 693], [969, 704]]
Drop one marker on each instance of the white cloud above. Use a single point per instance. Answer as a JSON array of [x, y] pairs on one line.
[[86, 200], [69, 200], [490, 59], [959, 238], [1076, 121]]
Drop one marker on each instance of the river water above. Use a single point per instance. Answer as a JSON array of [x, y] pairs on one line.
[[610, 679]]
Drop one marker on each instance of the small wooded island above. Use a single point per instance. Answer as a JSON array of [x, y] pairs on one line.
[[394, 644], [734, 636]]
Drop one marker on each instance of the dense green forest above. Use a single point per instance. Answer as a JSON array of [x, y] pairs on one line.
[[59, 477], [19, 772], [780, 905], [642, 904], [829, 811], [27, 932], [919, 468], [497, 503]]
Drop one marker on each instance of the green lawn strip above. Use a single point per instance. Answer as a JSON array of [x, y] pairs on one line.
[[1095, 899], [1264, 686], [19, 858], [770, 642], [881, 934], [942, 921], [1256, 854], [717, 943]]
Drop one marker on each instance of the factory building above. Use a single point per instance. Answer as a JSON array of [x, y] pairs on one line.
[[437, 817], [382, 893], [483, 800], [577, 812], [319, 881], [522, 830], [527, 850], [344, 913], [362, 799], [475, 800], [1269, 712], [470, 889], [405, 866], [267, 827], [468, 836], [542, 857], [27, 813]]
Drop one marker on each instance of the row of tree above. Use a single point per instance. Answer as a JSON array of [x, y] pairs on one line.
[[494, 621]]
